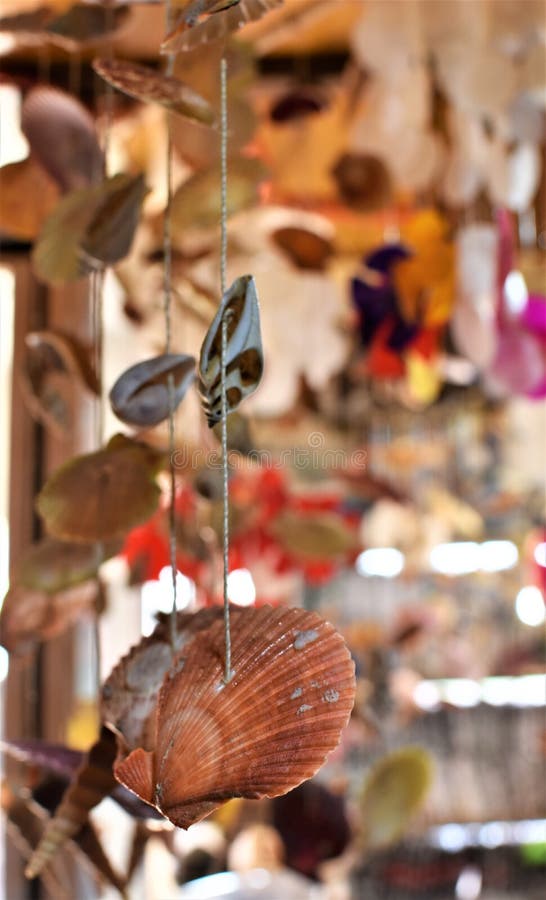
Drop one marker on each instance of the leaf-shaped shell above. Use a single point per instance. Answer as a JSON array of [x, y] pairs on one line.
[[28, 198], [323, 536], [244, 356], [73, 158], [53, 566], [92, 782], [395, 789], [210, 20], [90, 227], [267, 730], [196, 203], [51, 367], [100, 495], [140, 396], [109, 234], [29, 616], [150, 86], [129, 694]]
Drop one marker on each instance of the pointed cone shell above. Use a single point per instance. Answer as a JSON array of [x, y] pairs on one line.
[[140, 396], [150, 86], [92, 783], [73, 158], [244, 355], [130, 693], [267, 730], [395, 789]]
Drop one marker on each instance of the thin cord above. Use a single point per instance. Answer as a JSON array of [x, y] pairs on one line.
[[167, 308], [96, 289], [223, 266]]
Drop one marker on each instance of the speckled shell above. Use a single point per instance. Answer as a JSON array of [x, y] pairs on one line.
[[140, 396], [92, 783], [244, 356], [270, 728], [129, 694]]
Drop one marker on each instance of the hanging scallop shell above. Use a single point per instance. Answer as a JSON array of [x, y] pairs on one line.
[[140, 396], [244, 357], [129, 695], [196, 203], [28, 196], [73, 156], [150, 86], [51, 373], [261, 734], [395, 789], [93, 781], [100, 495], [210, 20]]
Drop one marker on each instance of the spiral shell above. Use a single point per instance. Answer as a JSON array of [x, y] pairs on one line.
[[92, 783], [261, 734]]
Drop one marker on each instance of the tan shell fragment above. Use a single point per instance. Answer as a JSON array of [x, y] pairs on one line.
[[129, 694], [270, 728], [210, 20]]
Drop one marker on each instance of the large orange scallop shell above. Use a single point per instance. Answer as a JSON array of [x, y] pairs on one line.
[[261, 734]]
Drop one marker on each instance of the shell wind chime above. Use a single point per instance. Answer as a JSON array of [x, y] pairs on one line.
[[218, 703]]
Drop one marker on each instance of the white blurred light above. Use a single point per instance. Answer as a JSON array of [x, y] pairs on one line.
[[530, 606], [241, 587], [531, 690], [451, 838], [462, 692], [469, 884], [496, 556], [386, 562], [427, 696], [497, 691], [540, 554], [14, 145], [4, 664], [515, 292], [157, 596], [459, 558], [493, 834]]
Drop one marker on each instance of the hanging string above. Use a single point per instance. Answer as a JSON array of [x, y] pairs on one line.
[[96, 287], [223, 267], [167, 310]]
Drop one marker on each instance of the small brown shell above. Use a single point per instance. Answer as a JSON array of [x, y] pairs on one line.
[[100, 495], [92, 782], [210, 20], [261, 734], [305, 248], [63, 137], [52, 566], [51, 368], [109, 234], [244, 355], [129, 694], [30, 616], [363, 181], [140, 396], [150, 86]]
